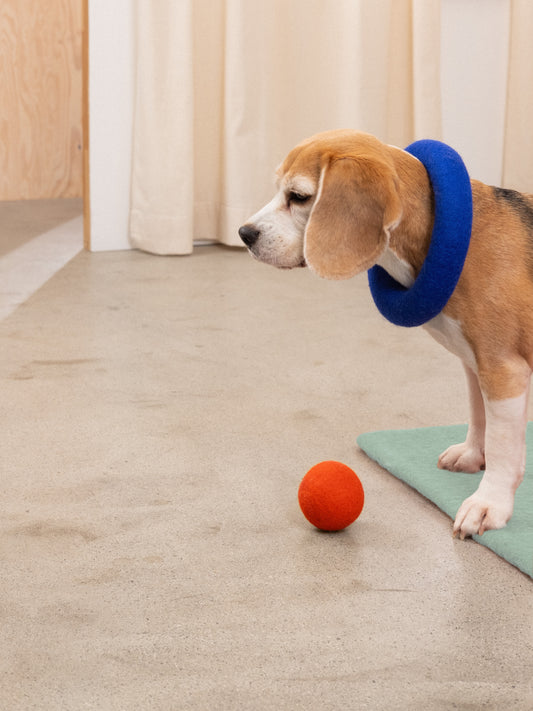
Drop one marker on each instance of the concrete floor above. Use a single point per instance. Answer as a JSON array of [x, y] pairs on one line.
[[158, 415], [37, 238], [23, 220]]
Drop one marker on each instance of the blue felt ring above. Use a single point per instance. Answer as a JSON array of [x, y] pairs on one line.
[[450, 238]]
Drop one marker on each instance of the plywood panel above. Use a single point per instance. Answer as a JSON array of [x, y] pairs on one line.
[[40, 99], [85, 126]]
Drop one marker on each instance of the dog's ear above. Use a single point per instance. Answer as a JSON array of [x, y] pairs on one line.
[[356, 206]]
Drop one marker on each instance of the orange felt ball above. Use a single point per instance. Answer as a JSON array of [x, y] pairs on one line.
[[331, 496]]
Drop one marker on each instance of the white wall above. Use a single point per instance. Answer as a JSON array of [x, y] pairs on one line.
[[111, 77], [474, 57]]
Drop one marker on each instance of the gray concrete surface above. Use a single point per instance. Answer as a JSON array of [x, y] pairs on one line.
[[158, 415]]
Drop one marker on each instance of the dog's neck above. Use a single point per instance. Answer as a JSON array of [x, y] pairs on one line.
[[397, 267], [443, 249], [409, 241]]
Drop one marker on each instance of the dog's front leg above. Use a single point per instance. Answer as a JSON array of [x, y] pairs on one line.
[[491, 505], [469, 456]]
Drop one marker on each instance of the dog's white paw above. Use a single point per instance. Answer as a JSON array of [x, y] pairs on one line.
[[480, 513], [462, 458]]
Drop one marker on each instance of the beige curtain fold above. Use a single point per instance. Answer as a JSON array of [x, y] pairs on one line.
[[224, 88], [518, 144], [162, 190]]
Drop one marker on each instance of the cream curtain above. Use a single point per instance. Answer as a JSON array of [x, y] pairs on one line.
[[224, 88], [518, 147]]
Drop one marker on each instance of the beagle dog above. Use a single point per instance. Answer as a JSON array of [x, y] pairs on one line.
[[345, 201]]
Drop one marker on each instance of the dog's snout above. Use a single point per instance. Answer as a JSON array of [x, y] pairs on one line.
[[248, 234]]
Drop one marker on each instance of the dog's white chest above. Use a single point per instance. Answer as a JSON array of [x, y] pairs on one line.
[[447, 331]]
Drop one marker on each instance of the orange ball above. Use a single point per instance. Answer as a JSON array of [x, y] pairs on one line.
[[331, 496]]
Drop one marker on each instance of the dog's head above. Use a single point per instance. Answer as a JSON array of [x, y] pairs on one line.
[[336, 202]]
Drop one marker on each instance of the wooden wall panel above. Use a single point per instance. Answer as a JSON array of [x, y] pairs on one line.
[[85, 125], [40, 99]]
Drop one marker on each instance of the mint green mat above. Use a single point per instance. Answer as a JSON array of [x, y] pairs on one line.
[[411, 455]]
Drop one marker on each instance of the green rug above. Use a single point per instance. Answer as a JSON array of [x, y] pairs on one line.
[[411, 455]]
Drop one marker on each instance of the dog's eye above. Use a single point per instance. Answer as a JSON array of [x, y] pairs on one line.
[[298, 198]]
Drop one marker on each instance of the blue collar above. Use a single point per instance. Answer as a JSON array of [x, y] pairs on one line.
[[450, 238]]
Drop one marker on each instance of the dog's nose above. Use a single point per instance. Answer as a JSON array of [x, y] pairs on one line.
[[248, 234]]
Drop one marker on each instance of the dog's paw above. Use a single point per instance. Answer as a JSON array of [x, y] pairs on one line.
[[462, 458], [479, 513]]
